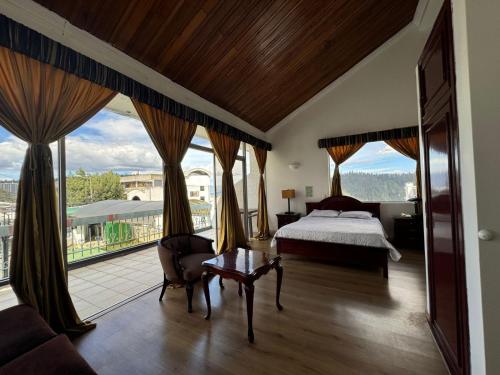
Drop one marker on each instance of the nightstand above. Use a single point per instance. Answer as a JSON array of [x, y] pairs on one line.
[[409, 232], [284, 218]]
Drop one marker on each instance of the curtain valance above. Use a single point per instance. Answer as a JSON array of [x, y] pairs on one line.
[[22, 39], [382, 135]]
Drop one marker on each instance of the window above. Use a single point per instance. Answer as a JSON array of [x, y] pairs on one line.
[[378, 173], [11, 160], [239, 181], [111, 160], [113, 202], [253, 177], [198, 167]]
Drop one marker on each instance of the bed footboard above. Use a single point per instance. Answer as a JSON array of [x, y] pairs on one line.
[[341, 254]]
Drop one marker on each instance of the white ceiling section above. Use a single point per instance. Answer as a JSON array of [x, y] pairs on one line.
[[50, 24]]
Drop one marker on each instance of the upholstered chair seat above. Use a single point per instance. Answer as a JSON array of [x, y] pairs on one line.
[[190, 265], [181, 256]]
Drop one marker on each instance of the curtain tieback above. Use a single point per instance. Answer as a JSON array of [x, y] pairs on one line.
[[32, 162]]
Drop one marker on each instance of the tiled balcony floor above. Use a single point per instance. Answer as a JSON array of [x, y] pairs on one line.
[[100, 285]]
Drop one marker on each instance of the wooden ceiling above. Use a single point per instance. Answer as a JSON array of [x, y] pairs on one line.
[[259, 59]]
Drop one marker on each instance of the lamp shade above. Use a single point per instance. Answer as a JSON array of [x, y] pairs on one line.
[[290, 193]]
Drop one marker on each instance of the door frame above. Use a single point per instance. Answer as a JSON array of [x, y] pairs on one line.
[[438, 104]]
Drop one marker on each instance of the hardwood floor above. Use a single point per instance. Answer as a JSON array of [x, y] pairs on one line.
[[335, 321]]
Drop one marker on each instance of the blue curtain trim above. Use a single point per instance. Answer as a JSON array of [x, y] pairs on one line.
[[22, 39]]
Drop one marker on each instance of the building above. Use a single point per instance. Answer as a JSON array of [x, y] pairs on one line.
[[198, 184], [147, 187], [143, 187]]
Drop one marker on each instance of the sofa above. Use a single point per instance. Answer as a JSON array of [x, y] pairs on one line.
[[29, 346]]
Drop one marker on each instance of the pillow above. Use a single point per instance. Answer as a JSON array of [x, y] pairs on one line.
[[356, 214], [324, 213]]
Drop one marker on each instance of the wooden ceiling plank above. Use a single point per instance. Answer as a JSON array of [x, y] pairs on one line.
[[259, 59], [204, 52]]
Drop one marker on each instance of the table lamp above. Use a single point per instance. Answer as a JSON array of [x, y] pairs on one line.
[[287, 194]]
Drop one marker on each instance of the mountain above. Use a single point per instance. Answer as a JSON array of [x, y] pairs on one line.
[[376, 187]]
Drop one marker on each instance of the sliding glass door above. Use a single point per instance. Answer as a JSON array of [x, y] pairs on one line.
[[109, 178]]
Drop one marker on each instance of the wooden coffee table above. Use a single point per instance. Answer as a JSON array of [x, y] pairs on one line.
[[244, 266]]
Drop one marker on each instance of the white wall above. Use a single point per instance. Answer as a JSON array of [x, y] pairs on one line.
[[476, 25], [379, 93]]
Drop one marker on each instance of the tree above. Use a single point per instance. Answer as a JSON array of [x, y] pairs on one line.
[[107, 186], [83, 188]]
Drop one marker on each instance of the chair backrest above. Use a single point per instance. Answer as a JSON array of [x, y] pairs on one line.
[[172, 248]]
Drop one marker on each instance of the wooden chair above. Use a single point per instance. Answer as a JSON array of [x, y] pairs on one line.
[[181, 256]]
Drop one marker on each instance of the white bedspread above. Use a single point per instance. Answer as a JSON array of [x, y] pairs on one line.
[[360, 232]]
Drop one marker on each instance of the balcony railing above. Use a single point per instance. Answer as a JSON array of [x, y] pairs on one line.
[[90, 236]]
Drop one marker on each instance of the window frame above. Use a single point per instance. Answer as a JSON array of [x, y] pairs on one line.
[[330, 177], [62, 201]]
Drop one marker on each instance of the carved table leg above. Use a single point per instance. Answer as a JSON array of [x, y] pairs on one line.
[[279, 274], [220, 282], [249, 294], [204, 278], [240, 292]]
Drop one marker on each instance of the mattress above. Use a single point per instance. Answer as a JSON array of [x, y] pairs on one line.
[[348, 231]]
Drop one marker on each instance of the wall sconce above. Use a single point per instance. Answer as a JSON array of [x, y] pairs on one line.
[[294, 165]]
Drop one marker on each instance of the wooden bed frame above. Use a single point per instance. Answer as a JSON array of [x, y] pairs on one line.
[[351, 255]]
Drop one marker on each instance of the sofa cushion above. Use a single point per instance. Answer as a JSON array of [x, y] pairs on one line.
[[191, 265], [21, 329], [56, 356]]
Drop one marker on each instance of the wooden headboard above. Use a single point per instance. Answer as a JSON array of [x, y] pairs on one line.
[[344, 204]]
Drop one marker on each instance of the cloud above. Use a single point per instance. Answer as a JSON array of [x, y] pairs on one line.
[[12, 155], [106, 142], [113, 155], [387, 150], [108, 126]]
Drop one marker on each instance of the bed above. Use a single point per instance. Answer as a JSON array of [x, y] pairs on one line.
[[343, 241]]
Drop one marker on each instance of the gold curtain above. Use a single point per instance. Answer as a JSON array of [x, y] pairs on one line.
[[171, 137], [262, 216], [340, 154], [40, 104], [409, 147], [231, 234]]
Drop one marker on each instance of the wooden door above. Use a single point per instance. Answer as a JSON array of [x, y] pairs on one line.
[[446, 264]]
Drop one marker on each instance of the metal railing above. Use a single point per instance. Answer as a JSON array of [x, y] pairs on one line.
[[97, 236], [93, 239]]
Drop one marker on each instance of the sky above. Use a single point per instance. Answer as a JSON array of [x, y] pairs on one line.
[[114, 142], [377, 157]]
